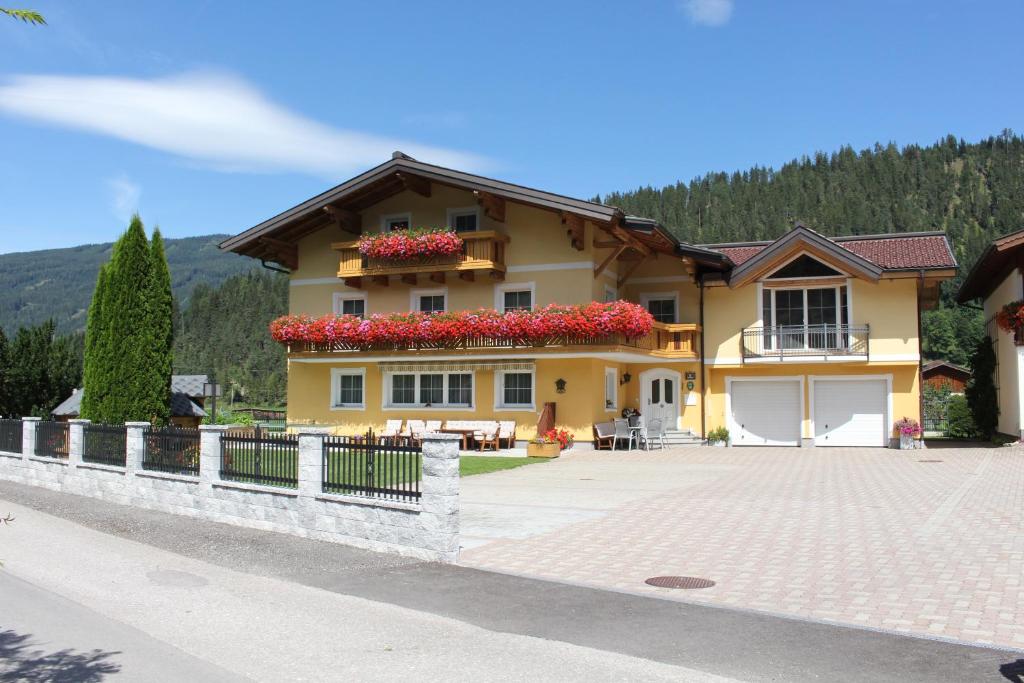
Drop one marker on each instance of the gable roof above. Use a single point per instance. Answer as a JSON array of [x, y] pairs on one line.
[[181, 405], [890, 252], [934, 365], [801, 238], [190, 385], [996, 262]]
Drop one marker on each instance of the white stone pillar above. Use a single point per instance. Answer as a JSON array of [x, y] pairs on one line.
[[28, 435], [76, 441], [135, 444], [311, 455], [439, 495], [209, 453]]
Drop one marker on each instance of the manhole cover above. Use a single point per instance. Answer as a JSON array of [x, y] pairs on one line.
[[684, 582], [929, 461]]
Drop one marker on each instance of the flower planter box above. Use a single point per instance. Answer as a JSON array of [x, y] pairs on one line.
[[543, 450]]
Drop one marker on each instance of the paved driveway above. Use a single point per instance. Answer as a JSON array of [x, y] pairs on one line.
[[929, 542]]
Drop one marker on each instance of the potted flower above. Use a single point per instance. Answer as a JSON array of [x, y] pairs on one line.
[[550, 444], [718, 436], [908, 429]]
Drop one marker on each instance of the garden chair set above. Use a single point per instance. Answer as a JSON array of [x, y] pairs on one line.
[[485, 434], [633, 431]]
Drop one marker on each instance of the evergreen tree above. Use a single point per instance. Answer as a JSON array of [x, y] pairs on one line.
[[981, 391], [161, 315], [43, 370], [5, 372], [96, 328]]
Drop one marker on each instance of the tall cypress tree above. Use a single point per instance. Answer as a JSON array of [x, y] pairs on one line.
[[96, 385], [981, 392], [5, 372], [161, 313]]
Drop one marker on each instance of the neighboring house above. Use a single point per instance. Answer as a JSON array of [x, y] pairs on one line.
[[186, 402], [804, 340], [996, 279], [940, 373]]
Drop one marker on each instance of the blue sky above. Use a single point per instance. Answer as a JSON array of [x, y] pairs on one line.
[[212, 116]]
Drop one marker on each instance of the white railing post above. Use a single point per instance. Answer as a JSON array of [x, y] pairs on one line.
[[439, 496], [135, 446], [76, 441], [28, 436], [209, 453]]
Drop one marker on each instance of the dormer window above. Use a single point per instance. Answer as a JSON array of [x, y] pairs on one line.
[[804, 266], [464, 220]]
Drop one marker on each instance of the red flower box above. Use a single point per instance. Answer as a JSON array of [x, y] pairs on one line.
[[593, 321], [409, 245]]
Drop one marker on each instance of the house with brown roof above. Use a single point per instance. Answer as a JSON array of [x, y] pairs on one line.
[[803, 340], [997, 279], [942, 373]]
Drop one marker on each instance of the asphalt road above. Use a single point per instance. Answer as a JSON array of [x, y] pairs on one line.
[[518, 628]]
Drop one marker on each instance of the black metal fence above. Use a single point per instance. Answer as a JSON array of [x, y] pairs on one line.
[[52, 439], [10, 435], [174, 450], [105, 444], [260, 457], [360, 466]]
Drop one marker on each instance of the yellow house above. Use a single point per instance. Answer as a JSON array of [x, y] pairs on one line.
[[805, 340]]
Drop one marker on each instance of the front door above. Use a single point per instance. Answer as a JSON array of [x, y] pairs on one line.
[[661, 397]]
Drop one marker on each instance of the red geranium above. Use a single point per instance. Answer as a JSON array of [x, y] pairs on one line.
[[404, 245], [551, 324], [1010, 317], [561, 436]]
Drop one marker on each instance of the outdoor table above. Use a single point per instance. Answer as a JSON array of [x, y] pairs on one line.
[[466, 434]]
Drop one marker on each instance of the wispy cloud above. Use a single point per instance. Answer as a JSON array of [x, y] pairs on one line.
[[124, 197], [215, 119], [708, 12]]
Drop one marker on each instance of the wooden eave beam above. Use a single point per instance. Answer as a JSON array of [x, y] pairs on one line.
[[611, 257], [344, 219], [574, 228], [413, 183], [493, 205], [629, 271], [285, 253]]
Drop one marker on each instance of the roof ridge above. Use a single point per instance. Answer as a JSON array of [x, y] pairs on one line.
[[838, 238]]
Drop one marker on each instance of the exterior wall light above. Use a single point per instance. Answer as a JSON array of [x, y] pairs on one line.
[[560, 385], [625, 378]]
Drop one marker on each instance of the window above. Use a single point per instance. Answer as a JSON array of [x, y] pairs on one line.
[[611, 388], [514, 296], [804, 266], [429, 300], [429, 389], [347, 388], [399, 221], [516, 390], [805, 318], [464, 220], [346, 303], [661, 306]]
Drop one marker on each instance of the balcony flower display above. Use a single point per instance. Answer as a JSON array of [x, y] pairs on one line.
[[587, 322], [409, 245]]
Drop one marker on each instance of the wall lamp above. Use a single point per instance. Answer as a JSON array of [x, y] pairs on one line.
[[625, 378], [560, 385]]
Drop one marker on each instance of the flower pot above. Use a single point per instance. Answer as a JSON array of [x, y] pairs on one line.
[[542, 450], [906, 442]]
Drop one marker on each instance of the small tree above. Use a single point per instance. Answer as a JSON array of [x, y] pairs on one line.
[[981, 391], [161, 316]]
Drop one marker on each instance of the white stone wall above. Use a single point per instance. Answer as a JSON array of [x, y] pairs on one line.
[[427, 529]]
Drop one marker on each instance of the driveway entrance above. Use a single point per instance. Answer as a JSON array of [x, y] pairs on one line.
[[927, 542]]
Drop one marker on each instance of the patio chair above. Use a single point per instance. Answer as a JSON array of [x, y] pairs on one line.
[[507, 431], [416, 429], [489, 436], [654, 431], [604, 436], [622, 433], [392, 430]]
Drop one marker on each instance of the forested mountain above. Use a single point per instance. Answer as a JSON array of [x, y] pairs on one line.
[[57, 284], [224, 331], [972, 191]]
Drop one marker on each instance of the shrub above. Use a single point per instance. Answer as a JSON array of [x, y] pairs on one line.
[[719, 434], [960, 423], [981, 392]]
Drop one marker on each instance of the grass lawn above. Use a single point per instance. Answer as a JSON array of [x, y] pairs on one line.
[[482, 464]]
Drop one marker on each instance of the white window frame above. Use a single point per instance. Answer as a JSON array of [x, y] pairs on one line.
[[387, 386], [384, 220], [339, 297], [805, 288], [336, 373], [646, 297], [464, 211], [499, 391], [613, 375], [414, 297], [500, 289], [610, 290]]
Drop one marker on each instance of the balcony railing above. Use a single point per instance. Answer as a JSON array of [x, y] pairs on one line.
[[664, 341], [792, 342], [481, 251]]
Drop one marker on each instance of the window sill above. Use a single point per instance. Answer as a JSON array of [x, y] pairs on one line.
[[420, 407], [352, 407], [516, 409]]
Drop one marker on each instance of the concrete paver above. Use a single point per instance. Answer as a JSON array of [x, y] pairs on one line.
[[871, 537]]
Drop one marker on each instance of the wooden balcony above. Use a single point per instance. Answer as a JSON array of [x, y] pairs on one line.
[[670, 341], [482, 252]]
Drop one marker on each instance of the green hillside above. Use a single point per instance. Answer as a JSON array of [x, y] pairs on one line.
[[57, 283]]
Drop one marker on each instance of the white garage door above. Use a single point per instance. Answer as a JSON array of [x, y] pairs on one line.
[[850, 413], [765, 413]]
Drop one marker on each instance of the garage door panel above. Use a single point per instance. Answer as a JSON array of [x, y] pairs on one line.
[[850, 413], [765, 413]]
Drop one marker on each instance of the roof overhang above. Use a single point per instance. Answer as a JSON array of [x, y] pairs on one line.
[[996, 262], [802, 239]]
